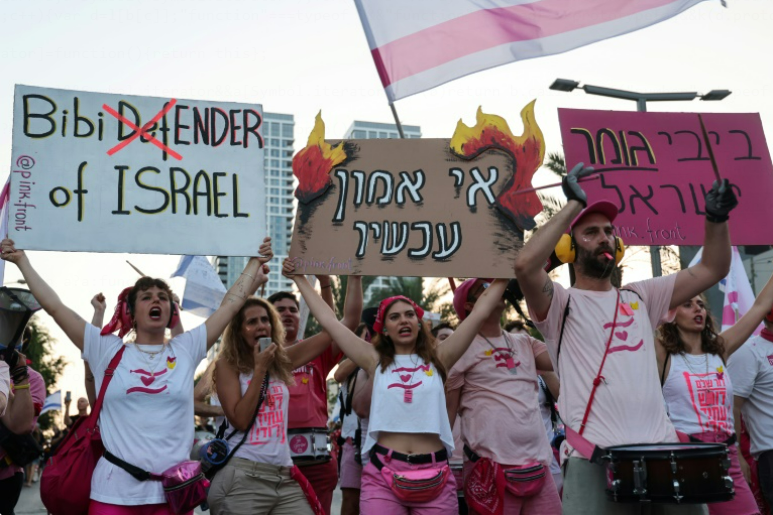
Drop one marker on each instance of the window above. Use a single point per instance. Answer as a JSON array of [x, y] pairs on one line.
[[274, 152], [383, 135], [287, 130], [359, 134], [274, 142], [275, 163], [275, 129], [274, 210]]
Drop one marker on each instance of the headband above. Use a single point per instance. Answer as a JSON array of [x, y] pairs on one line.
[[378, 325], [122, 317]]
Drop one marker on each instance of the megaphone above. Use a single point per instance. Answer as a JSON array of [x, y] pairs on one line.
[[16, 308]]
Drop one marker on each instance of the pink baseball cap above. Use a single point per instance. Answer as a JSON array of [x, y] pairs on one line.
[[604, 207], [461, 294]]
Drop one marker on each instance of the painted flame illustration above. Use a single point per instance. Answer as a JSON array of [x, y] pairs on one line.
[[528, 152], [312, 164]]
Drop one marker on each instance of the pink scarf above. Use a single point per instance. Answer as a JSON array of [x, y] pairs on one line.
[[378, 325]]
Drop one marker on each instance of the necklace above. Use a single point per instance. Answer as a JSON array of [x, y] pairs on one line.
[[408, 393], [149, 353], [510, 362], [148, 358], [687, 362]]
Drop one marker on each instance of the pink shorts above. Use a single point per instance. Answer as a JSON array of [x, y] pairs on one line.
[[351, 471], [546, 502], [377, 497], [743, 503], [100, 508]]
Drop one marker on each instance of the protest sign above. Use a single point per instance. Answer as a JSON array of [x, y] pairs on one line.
[[656, 168], [117, 173], [418, 207]]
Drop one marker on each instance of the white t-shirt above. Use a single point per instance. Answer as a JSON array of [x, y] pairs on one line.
[[267, 440], [629, 407], [699, 394], [5, 383], [425, 413], [147, 415], [751, 368]]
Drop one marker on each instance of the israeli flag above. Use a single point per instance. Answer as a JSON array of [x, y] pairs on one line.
[[204, 291], [53, 402]]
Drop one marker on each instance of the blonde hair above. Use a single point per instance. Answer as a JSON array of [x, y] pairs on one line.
[[235, 351]]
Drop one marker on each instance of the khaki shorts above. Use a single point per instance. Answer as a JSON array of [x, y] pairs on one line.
[[585, 493], [245, 487]]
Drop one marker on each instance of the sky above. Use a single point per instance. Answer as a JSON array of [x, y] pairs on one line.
[[300, 56]]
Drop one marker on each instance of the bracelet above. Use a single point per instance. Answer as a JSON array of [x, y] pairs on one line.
[[21, 387], [323, 287], [237, 296], [248, 275]]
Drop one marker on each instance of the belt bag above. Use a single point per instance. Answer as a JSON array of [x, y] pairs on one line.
[[185, 486], [308, 444], [417, 485], [525, 481]]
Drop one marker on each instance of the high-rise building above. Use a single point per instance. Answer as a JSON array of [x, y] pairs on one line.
[[374, 130], [278, 138]]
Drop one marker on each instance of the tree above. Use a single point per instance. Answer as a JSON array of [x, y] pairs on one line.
[[413, 288], [39, 351], [338, 286]]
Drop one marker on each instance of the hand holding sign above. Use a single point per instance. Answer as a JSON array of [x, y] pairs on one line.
[[10, 252], [720, 200], [570, 184]]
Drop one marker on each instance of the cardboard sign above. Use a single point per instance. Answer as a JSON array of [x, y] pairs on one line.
[[116, 173], [656, 168], [418, 207]]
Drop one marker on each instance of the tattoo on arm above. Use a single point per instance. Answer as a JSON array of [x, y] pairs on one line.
[[548, 288]]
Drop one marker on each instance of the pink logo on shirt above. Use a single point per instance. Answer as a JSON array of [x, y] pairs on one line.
[[298, 444], [408, 377], [147, 379], [623, 335], [770, 359]]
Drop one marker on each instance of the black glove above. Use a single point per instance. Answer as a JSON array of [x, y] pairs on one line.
[[720, 200], [572, 188]]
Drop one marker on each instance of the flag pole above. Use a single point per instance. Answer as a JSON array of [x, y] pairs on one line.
[[397, 120]]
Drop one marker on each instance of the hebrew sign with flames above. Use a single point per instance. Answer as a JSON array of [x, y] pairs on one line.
[[417, 207]]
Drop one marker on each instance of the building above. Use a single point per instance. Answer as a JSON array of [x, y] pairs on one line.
[[374, 130], [278, 136]]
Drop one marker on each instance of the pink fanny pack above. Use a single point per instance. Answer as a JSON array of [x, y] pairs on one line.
[[422, 485], [185, 486], [526, 480]]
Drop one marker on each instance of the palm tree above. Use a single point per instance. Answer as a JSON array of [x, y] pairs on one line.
[[338, 286], [413, 288]]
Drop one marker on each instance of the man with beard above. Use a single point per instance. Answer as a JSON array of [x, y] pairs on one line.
[[600, 339], [307, 413]]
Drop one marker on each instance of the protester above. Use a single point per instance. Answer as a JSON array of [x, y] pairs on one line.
[[349, 461], [493, 386], [609, 370], [442, 331], [751, 371], [28, 394], [260, 477], [408, 416], [308, 396], [146, 419], [83, 411], [692, 358]]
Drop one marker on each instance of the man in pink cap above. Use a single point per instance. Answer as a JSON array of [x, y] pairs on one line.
[[494, 388], [601, 341]]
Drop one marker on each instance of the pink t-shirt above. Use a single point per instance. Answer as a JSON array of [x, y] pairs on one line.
[[38, 393], [499, 410], [628, 408], [308, 396]]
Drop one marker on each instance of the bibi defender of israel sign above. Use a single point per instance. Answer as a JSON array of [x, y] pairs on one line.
[[99, 172]]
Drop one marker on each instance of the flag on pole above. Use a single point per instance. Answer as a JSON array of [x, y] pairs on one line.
[[739, 296], [4, 195], [204, 291], [53, 402], [420, 44]]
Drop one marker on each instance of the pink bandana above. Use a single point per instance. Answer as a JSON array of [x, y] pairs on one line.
[[122, 318], [485, 488], [378, 325]]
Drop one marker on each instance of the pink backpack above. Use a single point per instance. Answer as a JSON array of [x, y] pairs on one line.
[[65, 486]]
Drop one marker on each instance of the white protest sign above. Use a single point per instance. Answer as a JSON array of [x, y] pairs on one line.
[[99, 172]]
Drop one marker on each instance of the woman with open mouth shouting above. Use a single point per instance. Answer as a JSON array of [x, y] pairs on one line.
[[147, 413], [252, 372], [692, 359], [409, 436]]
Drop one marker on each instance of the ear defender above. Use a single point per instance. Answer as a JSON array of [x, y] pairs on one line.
[[565, 250], [567, 253]]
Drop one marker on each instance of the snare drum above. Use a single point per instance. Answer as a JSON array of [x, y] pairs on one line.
[[673, 473], [309, 444]]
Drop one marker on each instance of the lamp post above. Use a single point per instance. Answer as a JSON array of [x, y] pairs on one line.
[[641, 100]]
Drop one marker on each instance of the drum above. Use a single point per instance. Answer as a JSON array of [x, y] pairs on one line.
[[672, 473], [309, 444]]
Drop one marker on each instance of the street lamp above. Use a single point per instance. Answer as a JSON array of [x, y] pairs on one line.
[[641, 100]]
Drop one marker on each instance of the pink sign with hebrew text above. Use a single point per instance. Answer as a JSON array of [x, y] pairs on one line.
[[655, 167]]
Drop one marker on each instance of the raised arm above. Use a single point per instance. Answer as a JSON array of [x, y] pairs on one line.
[[20, 409], [737, 335], [363, 394], [344, 370], [359, 351], [70, 322], [100, 306], [715, 263], [536, 285], [456, 345], [240, 409], [254, 274]]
